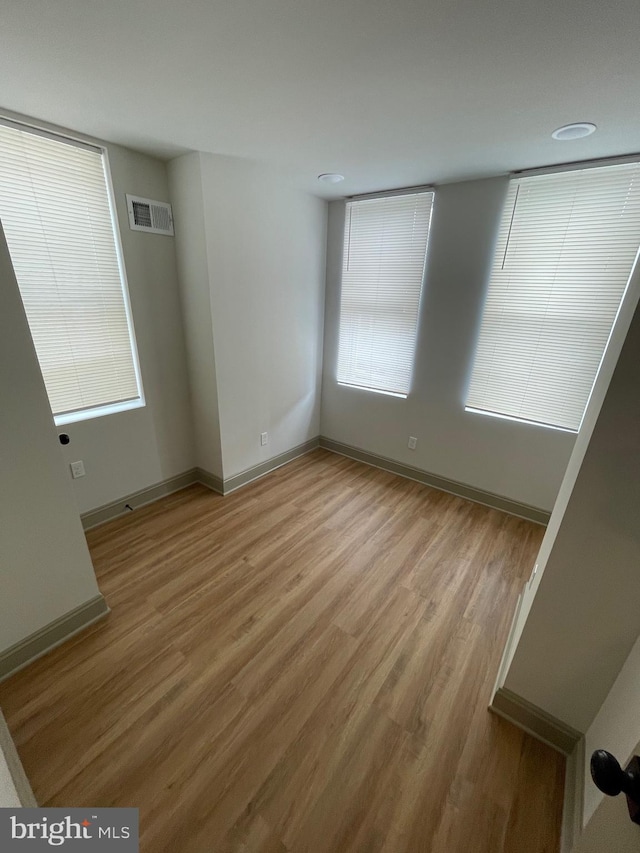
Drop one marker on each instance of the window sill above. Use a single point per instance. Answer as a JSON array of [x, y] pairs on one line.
[[98, 412]]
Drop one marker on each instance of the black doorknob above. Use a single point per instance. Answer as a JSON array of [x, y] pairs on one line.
[[612, 780]]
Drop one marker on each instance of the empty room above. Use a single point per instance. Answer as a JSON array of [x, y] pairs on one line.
[[319, 385]]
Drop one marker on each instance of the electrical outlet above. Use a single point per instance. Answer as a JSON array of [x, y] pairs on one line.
[[264, 438], [412, 442], [77, 469]]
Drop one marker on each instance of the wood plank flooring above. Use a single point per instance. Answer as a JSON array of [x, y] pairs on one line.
[[305, 666]]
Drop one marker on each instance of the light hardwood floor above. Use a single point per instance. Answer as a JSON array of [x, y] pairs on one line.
[[305, 666]]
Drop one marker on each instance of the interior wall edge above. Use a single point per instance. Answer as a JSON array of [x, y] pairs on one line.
[[509, 646], [14, 765], [211, 481], [573, 799]]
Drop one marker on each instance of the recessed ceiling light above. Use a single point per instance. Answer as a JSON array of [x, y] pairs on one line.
[[574, 131], [330, 178]]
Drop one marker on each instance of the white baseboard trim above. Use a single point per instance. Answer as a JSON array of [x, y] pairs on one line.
[[257, 471], [140, 498], [211, 481], [470, 493], [16, 770], [225, 486], [572, 811], [21, 654], [535, 721]]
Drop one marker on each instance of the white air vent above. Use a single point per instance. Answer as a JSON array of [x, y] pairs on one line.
[[148, 215]]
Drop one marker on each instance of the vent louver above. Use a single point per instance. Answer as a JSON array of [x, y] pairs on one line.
[[148, 215]]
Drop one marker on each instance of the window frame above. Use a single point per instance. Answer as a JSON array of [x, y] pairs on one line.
[[67, 138]]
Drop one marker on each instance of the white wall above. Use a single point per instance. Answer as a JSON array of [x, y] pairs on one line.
[[45, 569], [519, 461], [129, 451], [266, 247], [255, 338], [583, 618], [185, 182]]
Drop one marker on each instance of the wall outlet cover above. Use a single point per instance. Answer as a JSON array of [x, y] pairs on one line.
[[77, 469], [413, 441]]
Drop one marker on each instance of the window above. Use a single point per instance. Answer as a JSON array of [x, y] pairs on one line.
[[56, 211], [566, 248], [385, 247]]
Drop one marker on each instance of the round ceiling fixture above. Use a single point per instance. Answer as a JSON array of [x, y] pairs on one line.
[[574, 131], [330, 178]]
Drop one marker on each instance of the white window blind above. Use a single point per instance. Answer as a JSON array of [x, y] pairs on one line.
[[385, 246], [566, 247], [56, 214]]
